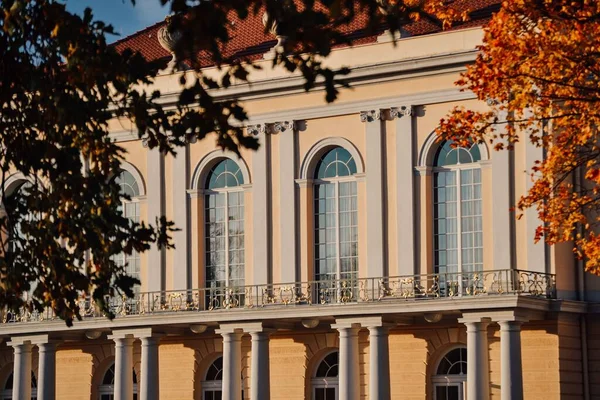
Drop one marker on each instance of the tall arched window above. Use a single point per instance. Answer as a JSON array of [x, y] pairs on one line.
[[8, 387], [212, 386], [336, 219], [224, 228], [106, 389], [325, 380], [131, 210], [451, 376], [458, 225]]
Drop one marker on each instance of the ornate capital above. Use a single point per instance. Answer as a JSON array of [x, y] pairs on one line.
[[282, 126], [402, 111], [370, 116], [257, 129]]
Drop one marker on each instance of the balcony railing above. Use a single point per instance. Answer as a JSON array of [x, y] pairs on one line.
[[402, 288]]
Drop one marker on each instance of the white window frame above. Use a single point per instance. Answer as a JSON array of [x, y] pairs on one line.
[[457, 169], [226, 192], [458, 380]]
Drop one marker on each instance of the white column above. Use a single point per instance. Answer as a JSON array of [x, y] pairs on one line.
[[149, 382], [502, 217], [22, 369], [232, 364], [349, 377], [46, 371], [261, 206], [155, 201], [379, 363], [181, 256], [405, 187], [375, 200], [123, 367], [510, 360], [287, 201], [478, 371], [260, 386]]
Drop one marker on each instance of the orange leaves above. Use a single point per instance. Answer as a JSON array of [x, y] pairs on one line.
[[539, 62]]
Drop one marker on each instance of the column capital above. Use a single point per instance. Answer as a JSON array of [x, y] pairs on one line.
[[132, 333], [402, 111], [29, 339], [304, 183], [370, 116], [346, 323], [422, 171], [282, 126], [472, 319]]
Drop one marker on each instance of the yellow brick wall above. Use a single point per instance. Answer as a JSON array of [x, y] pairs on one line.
[[74, 369], [551, 362], [540, 362], [593, 343]]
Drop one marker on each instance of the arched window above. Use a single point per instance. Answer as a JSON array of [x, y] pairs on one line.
[[106, 389], [451, 376], [212, 386], [224, 227], [325, 380], [336, 222], [458, 224], [131, 209], [8, 387]]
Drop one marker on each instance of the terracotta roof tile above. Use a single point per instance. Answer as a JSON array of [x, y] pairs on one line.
[[248, 38]]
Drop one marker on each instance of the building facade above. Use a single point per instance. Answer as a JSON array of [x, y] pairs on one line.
[[352, 256]]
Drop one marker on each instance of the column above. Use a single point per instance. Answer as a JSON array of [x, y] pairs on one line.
[[379, 363], [155, 200], [374, 183], [46, 371], [287, 201], [181, 257], [349, 377], [502, 199], [232, 363], [511, 386], [405, 188], [149, 382], [22, 369], [260, 386], [260, 205], [123, 367], [478, 370]]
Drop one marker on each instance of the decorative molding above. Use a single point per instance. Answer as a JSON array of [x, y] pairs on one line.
[[194, 193], [312, 156], [402, 111], [422, 171], [202, 167], [360, 177], [257, 129], [370, 116], [282, 126], [304, 183]]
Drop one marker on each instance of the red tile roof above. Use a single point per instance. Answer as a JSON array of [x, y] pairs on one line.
[[249, 38]]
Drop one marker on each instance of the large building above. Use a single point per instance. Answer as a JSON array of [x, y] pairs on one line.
[[351, 257]]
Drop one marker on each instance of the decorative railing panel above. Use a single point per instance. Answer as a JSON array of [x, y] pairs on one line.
[[401, 288]]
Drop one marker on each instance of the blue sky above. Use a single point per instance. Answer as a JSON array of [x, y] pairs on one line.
[[125, 18]]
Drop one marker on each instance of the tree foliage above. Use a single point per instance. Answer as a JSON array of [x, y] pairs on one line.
[[539, 70], [60, 85]]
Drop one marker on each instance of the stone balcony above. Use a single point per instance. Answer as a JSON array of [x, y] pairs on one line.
[[426, 289]]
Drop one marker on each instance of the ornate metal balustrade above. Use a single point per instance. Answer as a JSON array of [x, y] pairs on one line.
[[402, 288]]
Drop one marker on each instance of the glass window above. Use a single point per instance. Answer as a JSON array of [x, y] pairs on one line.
[[336, 226], [212, 386], [224, 233], [457, 213], [130, 209], [107, 388], [325, 380], [451, 376], [8, 387]]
